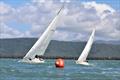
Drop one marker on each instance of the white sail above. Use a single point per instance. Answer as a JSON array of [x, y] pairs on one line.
[[85, 52], [40, 46]]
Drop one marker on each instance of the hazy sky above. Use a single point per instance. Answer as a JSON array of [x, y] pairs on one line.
[[29, 18]]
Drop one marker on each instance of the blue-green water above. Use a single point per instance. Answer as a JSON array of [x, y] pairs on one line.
[[11, 69]]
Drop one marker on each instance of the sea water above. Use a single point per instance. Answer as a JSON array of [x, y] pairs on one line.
[[11, 69]]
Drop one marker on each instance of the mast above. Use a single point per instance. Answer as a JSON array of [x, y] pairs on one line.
[[40, 46]]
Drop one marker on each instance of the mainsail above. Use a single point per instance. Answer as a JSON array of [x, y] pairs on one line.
[[40, 46], [84, 54]]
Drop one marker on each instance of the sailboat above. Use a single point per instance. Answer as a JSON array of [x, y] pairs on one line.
[[40, 46], [82, 58]]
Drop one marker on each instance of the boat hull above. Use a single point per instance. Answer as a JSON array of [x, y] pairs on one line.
[[33, 61], [82, 63]]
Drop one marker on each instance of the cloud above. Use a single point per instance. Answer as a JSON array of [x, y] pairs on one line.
[[6, 12], [40, 1], [87, 16], [108, 28], [77, 22], [102, 9], [8, 32]]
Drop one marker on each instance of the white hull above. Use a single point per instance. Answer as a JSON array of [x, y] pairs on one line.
[[33, 61], [82, 63]]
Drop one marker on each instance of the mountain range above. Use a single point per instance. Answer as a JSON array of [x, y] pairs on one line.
[[18, 47]]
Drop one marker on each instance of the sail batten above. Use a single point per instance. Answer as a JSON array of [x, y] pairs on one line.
[[85, 52]]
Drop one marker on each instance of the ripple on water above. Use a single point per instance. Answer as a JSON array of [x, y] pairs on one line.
[[11, 69]]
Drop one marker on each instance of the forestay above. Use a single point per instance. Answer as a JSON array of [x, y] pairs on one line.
[[40, 46]]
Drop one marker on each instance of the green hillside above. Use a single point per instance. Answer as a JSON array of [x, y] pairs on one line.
[[14, 48]]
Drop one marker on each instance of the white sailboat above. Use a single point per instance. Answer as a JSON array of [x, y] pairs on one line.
[[40, 46], [85, 52]]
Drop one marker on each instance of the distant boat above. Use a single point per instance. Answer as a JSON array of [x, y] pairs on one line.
[[40, 46], [85, 52]]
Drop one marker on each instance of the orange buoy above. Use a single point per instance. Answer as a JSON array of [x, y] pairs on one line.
[[59, 63]]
